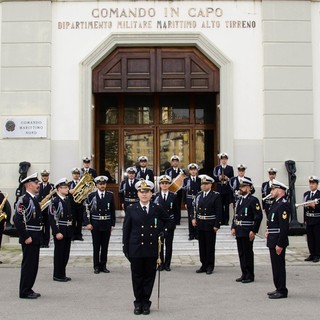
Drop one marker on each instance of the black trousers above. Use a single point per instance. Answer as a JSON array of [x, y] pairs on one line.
[[225, 201], [246, 257], [143, 273], [100, 240], [313, 239], [207, 245], [61, 257], [77, 220], [177, 216], [46, 228], [278, 263], [29, 268], [166, 249], [192, 229]]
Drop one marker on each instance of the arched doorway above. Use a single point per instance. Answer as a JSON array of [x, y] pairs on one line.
[[154, 102]]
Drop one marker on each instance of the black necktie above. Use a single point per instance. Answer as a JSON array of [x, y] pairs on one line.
[[164, 197], [204, 194], [312, 195], [102, 196], [145, 209]]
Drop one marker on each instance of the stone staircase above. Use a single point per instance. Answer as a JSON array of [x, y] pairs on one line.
[[225, 245]]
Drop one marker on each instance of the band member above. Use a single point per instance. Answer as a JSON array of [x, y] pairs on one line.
[[144, 172], [222, 175], [143, 224], [246, 223], [167, 200], [28, 221], [312, 219], [277, 238], [235, 182], [60, 217], [173, 172], [127, 192], [76, 208], [45, 187], [265, 190], [5, 214], [100, 218], [191, 187], [86, 167], [208, 211]]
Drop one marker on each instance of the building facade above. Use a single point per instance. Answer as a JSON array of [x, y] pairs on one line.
[[118, 79]]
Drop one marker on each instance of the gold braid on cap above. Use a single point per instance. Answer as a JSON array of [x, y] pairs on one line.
[[143, 184]]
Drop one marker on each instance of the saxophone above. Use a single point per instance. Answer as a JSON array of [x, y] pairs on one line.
[[46, 200], [3, 215]]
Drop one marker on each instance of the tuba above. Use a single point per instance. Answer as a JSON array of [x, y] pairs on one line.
[[83, 188], [3, 215], [47, 199]]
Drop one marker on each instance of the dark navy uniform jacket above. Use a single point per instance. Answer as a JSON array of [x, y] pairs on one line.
[[170, 206], [227, 171], [172, 172], [190, 189], [28, 219], [141, 230], [208, 211], [278, 224], [60, 216], [128, 194], [265, 190], [247, 217], [312, 215], [147, 175], [91, 171], [235, 184], [100, 212], [44, 190]]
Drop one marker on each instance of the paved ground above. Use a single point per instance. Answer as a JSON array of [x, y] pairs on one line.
[[184, 294]]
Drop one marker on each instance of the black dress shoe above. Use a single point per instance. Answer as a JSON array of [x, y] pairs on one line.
[[68, 278], [161, 267], [137, 310], [167, 268], [271, 293], [278, 295], [247, 280], [32, 295], [105, 270], [37, 294], [96, 270], [316, 259], [310, 258], [146, 310], [201, 270], [60, 279], [209, 271], [239, 279], [191, 238]]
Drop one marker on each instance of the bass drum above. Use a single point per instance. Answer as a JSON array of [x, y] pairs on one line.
[[177, 183]]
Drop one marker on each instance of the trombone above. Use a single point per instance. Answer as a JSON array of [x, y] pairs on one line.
[[315, 201]]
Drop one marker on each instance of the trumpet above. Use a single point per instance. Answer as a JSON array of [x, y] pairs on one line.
[[267, 197], [315, 201]]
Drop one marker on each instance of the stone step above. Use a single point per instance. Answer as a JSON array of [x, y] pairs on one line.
[[226, 244]]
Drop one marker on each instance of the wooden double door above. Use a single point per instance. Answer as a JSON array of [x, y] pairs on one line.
[[137, 115]]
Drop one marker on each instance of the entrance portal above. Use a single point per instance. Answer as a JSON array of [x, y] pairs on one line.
[[154, 102]]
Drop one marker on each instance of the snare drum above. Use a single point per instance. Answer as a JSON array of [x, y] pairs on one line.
[[177, 183]]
